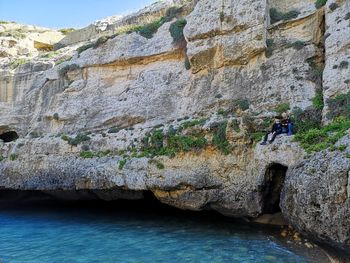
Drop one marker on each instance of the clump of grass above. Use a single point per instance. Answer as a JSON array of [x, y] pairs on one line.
[[219, 137], [85, 47], [256, 137], [347, 16], [56, 116], [242, 104], [317, 101], [157, 163], [18, 62], [17, 34], [235, 126], [4, 22], [177, 30], [339, 106], [342, 147], [270, 46], [13, 157], [66, 31], [333, 6], [100, 41], [283, 107], [344, 64], [64, 70], [315, 140], [89, 154], [150, 29], [122, 163], [187, 64], [305, 120], [320, 3], [297, 45], [315, 72], [86, 154], [113, 130], [79, 138], [61, 60], [276, 15], [192, 123]]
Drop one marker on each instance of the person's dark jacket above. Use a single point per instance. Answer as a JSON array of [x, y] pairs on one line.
[[285, 122], [277, 127]]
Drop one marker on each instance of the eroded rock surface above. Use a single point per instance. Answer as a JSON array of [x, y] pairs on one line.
[[316, 196]]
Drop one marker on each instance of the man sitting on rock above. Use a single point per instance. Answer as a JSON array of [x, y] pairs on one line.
[[276, 130]]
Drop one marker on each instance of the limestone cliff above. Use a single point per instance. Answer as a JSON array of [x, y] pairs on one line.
[[121, 107]]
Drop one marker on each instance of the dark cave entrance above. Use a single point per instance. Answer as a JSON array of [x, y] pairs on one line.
[[274, 181], [9, 136]]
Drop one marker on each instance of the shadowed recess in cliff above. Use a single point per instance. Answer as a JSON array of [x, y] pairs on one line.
[[9, 136], [274, 181]]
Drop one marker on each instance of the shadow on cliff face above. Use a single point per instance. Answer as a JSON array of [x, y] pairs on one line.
[[274, 181]]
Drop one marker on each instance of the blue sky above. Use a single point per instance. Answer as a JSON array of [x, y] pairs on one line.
[[65, 13]]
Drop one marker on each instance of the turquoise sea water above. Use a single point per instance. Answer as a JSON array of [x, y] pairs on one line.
[[71, 234]]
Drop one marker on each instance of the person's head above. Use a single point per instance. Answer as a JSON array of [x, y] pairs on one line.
[[277, 120], [285, 115]]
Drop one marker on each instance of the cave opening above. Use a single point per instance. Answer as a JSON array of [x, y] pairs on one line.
[[9, 136], [274, 181]]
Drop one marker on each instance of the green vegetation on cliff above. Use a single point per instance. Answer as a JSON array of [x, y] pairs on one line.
[[276, 15], [177, 30], [320, 3], [319, 139]]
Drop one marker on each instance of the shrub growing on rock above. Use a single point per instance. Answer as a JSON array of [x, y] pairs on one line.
[[187, 64], [344, 64], [100, 41], [85, 47], [13, 157], [113, 130], [276, 15], [66, 31], [79, 138], [18, 62], [320, 3], [297, 45], [177, 30], [333, 6], [319, 139], [55, 116], [347, 16], [122, 163], [310, 118], [219, 137], [270, 45], [317, 101], [150, 29], [283, 107], [64, 70], [339, 106], [242, 104]]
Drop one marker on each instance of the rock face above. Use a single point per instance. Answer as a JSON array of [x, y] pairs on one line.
[[316, 196], [336, 75], [180, 119]]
